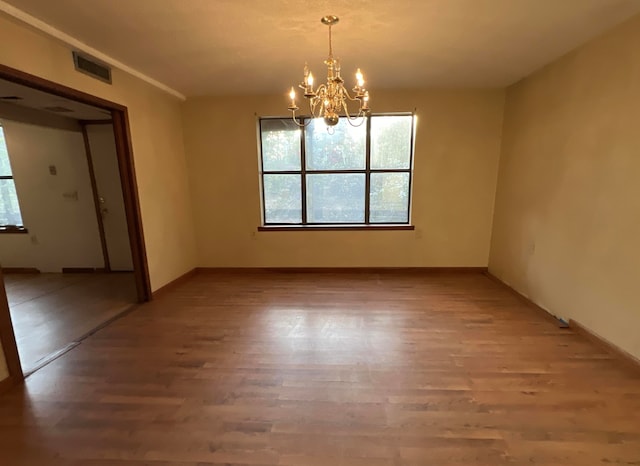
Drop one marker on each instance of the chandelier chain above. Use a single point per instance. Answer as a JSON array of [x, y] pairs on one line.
[[330, 46]]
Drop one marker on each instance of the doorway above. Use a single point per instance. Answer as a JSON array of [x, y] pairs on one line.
[[96, 268]]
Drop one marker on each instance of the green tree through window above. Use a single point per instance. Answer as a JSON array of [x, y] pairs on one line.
[[10, 216], [350, 175]]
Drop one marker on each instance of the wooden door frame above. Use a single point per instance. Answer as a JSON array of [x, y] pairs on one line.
[[8, 339], [96, 197], [124, 151]]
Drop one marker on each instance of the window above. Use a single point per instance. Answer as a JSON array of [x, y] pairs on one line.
[[10, 218], [343, 175]]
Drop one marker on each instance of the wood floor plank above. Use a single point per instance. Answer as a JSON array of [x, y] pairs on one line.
[[52, 310], [354, 369]]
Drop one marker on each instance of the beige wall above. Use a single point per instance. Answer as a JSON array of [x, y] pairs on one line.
[[567, 221], [58, 210], [456, 158], [156, 129]]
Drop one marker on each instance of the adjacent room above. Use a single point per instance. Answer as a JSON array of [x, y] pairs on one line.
[[346, 233], [64, 245]]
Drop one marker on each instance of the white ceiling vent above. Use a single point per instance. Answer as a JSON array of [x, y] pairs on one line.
[[89, 65]]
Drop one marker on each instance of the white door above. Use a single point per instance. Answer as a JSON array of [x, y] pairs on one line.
[[105, 166]]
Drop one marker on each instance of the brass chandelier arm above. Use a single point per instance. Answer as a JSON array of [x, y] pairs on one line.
[[354, 98], [350, 119], [301, 125]]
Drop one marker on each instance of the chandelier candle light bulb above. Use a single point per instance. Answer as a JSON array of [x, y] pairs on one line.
[[359, 78], [292, 95], [329, 100]]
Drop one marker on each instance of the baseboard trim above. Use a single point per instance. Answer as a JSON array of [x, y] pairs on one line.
[[605, 344], [7, 384], [575, 326], [174, 283], [417, 270], [20, 270], [239, 270], [83, 270], [540, 310]]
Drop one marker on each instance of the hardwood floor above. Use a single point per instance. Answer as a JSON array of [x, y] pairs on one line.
[[310, 369], [52, 310]]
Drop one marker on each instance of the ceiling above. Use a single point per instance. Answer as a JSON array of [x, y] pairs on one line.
[[212, 47], [49, 103]]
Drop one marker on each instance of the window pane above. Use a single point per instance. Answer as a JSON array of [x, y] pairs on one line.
[[5, 167], [335, 198], [282, 199], [389, 201], [391, 141], [9, 209], [345, 149], [280, 145]]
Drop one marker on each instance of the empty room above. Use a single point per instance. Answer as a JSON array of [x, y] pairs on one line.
[[357, 233], [70, 271]]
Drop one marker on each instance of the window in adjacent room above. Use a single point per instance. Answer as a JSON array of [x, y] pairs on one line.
[[343, 176], [10, 217]]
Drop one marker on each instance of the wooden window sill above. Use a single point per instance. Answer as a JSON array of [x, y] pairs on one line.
[[335, 227], [13, 230]]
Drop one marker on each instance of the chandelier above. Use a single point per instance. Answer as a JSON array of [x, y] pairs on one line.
[[331, 99]]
